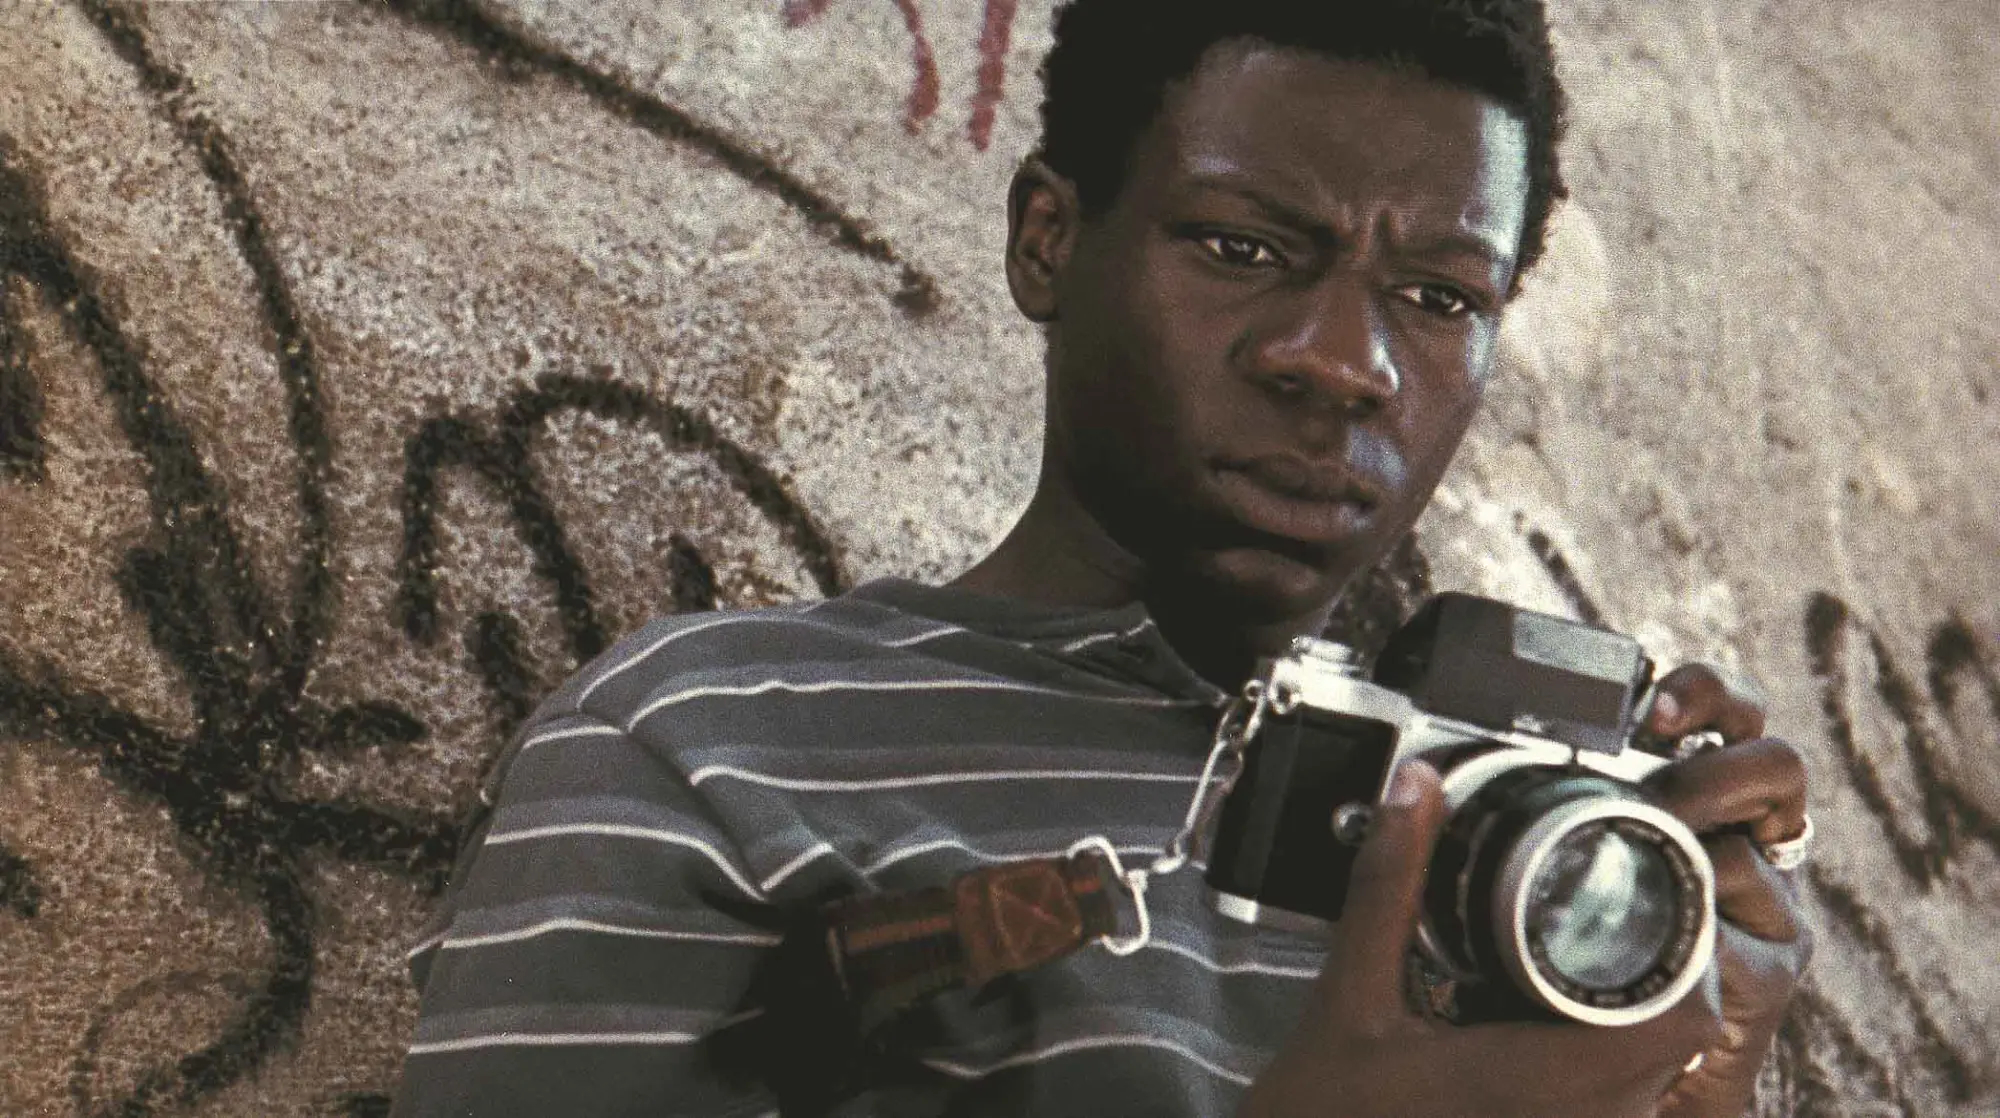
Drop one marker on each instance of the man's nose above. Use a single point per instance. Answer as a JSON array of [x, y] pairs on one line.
[[1328, 347]]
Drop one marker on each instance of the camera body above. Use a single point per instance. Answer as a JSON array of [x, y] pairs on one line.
[[1556, 887]]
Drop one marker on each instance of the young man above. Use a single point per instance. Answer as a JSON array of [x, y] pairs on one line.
[[1270, 242]]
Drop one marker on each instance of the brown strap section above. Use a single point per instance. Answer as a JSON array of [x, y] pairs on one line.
[[1020, 915], [890, 951]]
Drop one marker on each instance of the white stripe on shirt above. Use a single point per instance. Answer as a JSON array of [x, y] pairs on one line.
[[1100, 638], [551, 1040], [1064, 1048], [934, 845], [778, 876], [426, 945], [574, 924], [512, 1039], [928, 780], [928, 635], [766, 687], [720, 619], [603, 730], [1209, 964], [621, 830]]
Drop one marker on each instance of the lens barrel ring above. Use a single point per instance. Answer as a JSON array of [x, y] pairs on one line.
[[1524, 866]]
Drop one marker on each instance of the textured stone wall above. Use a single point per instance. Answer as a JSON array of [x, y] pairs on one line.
[[363, 367]]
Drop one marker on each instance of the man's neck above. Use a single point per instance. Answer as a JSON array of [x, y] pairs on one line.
[[1059, 554]]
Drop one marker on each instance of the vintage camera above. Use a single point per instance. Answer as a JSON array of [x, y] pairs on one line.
[[1556, 887]]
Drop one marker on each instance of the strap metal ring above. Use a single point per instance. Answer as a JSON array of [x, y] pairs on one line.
[[1135, 887]]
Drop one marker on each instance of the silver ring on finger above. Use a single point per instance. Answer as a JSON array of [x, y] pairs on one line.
[[1692, 745], [1788, 854]]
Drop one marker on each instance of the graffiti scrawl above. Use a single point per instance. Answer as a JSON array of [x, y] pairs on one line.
[[242, 655], [995, 34]]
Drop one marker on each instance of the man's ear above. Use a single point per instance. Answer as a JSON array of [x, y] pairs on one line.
[[1043, 216]]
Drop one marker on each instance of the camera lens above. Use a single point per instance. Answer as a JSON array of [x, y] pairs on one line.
[[1604, 908], [1571, 890]]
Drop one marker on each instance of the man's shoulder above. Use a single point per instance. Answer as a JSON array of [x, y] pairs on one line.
[[735, 650], [620, 701]]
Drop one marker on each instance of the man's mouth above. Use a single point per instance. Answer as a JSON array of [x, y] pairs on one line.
[[1302, 480], [1296, 499]]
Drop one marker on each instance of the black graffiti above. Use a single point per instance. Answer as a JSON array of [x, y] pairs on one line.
[[1814, 1045], [243, 666], [21, 452], [243, 669], [1934, 1044], [1951, 818], [448, 442], [1955, 652], [504, 460], [154, 1082], [20, 893], [291, 347], [690, 578], [1952, 821], [1563, 575], [469, 23], [496, 649]]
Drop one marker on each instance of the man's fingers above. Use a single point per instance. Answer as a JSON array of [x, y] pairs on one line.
[[1697, 697], [1759, 784], [1749, 892], [1694, 1024], [1617, 1060], [1365, 972]]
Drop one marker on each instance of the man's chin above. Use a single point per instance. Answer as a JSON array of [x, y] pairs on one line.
[[1263, 585]]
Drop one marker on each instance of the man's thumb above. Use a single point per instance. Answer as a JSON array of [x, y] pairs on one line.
[[1366, 967]]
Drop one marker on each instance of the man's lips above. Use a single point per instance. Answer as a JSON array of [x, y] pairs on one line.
[[1301, 480], [1296, 499]]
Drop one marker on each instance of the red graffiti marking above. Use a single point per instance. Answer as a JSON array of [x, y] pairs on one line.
[[996, 31], [923, 99], [993, 37]]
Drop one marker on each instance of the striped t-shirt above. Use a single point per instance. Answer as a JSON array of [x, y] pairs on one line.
[[597, 948]]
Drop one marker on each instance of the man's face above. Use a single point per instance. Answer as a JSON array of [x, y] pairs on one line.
[[1265, 352]]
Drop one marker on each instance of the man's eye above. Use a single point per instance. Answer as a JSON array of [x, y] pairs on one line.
[[1239, 251], [1437, 299]]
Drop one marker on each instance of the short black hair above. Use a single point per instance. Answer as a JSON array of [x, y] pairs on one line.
[[1113, 60]]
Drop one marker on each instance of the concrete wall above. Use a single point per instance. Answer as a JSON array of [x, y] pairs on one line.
[[362, 367]]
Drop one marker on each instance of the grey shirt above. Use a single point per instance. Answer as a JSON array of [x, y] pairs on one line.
[[595, 954]]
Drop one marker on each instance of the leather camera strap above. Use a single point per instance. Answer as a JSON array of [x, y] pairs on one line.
[[890, 951], [847, 971]]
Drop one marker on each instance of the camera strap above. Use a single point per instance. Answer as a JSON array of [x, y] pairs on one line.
[[880, 955], [847, 976], [891, 951]]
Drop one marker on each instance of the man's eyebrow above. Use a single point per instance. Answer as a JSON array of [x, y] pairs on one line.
[[1463, 243], [1272, 207], [1460, 242]]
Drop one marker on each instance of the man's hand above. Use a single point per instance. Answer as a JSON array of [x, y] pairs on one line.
[[1362, 1052], [1749, 794]]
